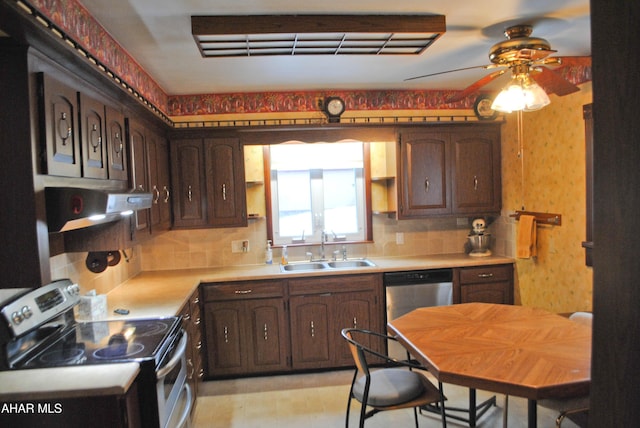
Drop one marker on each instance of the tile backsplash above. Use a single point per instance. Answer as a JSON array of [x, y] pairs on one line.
[[203, 248]]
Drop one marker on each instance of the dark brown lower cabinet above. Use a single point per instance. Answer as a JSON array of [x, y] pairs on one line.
[[486, 284], [246, 328], [268, 326]]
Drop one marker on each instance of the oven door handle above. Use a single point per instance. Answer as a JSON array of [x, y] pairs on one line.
[[177, 355], [187, 408]]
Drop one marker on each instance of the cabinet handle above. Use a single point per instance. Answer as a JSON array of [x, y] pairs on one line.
[[199, 345], [118, 146], [98, 141], [355, 322], [226, 334], [475, 182], [313, 330], [265, 332], [485, 275], [224, 192], [192, 367], [165, 189], [197, 321], [187, 317], [189, 194], [243, 291], [427, 184], [156, 197], [64, 130]]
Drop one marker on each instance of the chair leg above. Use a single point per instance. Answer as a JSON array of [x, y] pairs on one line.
[[505, 413], [443, 413], [415, 415]]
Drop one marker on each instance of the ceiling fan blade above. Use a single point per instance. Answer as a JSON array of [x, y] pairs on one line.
[[449, 71], [553, 83], [475, 86]]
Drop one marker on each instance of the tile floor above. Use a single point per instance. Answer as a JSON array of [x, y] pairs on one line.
[[319, 400]]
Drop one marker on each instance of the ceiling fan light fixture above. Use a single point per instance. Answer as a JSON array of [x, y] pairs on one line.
[[521, 93]]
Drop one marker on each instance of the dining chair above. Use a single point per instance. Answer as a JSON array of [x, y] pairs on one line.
[[396, 384]]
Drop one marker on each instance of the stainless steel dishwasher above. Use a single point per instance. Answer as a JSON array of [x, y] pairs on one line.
[[406, 291]]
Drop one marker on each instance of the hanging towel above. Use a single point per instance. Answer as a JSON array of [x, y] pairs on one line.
[[526, 240]]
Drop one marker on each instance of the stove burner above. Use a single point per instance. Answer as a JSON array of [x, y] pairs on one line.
[[118, 350], [63, 356], [151, 328]]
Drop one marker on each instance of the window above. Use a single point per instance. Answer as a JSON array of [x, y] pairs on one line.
[[316, 188]]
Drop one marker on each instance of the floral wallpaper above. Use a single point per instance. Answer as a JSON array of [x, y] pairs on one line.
[[550, 178], [75, 21]]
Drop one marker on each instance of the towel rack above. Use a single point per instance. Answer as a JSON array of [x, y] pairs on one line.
[[541, 218]]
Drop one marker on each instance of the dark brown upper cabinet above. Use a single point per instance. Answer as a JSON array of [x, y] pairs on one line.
[[59, 131]]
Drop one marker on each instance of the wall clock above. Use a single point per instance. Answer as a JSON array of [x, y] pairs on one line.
[[333, 107], [482, 108]]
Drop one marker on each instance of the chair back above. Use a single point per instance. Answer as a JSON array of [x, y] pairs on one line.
[[357, 350], [582, 317]]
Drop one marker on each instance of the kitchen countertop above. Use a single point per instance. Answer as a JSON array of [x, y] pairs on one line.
[[67, 382], [163, 293]]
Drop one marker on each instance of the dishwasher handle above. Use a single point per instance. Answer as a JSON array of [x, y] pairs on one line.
[[425, 276]]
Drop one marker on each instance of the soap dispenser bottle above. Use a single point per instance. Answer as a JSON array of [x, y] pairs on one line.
[[285, 256], [269, 255]]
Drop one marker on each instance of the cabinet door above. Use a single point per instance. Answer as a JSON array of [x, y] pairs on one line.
[[116, 150], [223, 326], [163, 183], [224, 174], [268, 336], [59, 132], [310, 339], [423, 175], [92, 138], [140, 181], [494, 292], [187, 173], [352, 310], [476, 170]]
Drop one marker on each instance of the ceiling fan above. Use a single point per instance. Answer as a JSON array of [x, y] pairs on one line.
[[526, 57]]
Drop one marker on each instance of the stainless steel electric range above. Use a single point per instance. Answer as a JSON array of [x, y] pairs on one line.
[[39, 330]]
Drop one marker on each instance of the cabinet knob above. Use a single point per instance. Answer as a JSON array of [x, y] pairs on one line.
[[427, 184], [475, 182], [64, 129], [156, 196], [165, 189]]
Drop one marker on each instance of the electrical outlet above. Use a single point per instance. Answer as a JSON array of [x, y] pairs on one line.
[[240, 246], [400, 238]]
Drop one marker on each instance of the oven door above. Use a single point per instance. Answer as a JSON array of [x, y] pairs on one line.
[[171, 381]]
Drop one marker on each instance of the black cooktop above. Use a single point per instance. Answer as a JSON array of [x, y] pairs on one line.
[[101, 342]]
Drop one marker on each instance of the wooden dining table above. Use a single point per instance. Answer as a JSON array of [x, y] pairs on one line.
[[512, 350]]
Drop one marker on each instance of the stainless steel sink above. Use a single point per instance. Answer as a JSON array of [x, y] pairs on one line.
[[320, 265], [351, 263], [293, 267]]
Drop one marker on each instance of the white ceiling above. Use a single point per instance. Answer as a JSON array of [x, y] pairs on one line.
[[157, 33]]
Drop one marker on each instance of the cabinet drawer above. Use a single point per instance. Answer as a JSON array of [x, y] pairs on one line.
[[334, 284], [486, 274], [242, 290]]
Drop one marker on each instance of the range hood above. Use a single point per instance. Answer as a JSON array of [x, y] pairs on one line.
[[70, 208]]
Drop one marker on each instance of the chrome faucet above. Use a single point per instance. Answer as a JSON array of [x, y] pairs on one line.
[[323, 238]]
